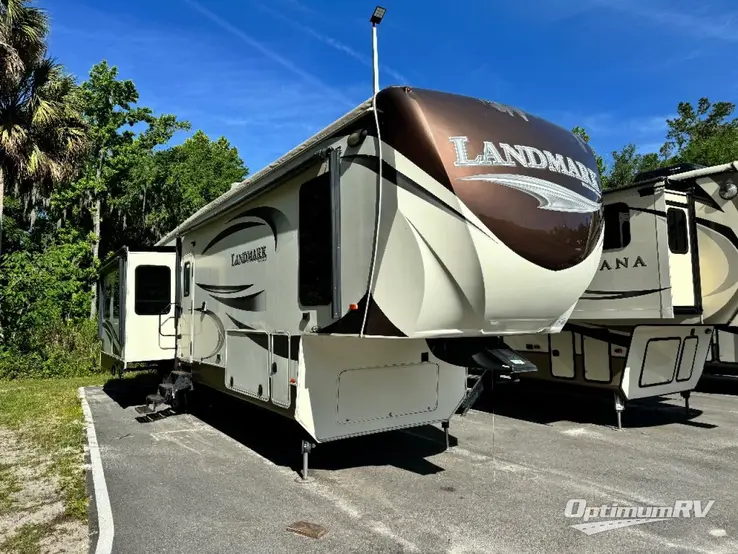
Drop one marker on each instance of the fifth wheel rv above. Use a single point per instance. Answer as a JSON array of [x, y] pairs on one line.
[[666, 280], [351, 284]]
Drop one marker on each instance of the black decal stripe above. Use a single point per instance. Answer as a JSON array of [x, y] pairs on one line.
[[224, 289], [614, 294], [274, 218], [250, 303], [648, 211], [599, 333], [727, 233], [230, 231], [280, 343], [113, 336], [405, 182], [377, 323], [700, 195]]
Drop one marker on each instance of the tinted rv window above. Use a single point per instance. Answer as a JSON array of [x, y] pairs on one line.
[[315, 242], [111, 295], [153, 289], [676, 223], [617, 226]]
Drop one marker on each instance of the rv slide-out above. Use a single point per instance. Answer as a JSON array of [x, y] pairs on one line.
[[136, 295]]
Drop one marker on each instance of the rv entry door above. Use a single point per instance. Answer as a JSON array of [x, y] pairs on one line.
[[187, 320], [683, 255]]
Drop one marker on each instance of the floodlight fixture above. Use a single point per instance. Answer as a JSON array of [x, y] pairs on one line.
[[377, 16]]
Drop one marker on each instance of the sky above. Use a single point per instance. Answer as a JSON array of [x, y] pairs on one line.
[[268, 75]]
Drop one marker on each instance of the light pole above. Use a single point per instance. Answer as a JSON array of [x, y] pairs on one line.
[[375, 20]]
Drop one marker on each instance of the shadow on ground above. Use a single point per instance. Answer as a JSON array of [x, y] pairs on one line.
[[719, 384], [279, 439], [549, 403], [132, 390]]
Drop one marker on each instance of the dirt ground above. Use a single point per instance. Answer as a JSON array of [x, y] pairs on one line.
[[32, 513]]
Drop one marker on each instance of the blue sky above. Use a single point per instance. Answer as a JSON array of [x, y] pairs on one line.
[[269, 74]]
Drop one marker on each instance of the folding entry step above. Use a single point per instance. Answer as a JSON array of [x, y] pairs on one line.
[[472, 392]]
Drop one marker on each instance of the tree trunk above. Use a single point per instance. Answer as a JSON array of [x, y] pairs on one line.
[[2, 207], [96, 229]]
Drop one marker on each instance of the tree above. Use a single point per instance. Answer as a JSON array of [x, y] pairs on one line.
[[108, 105], [601, 167], [23, 30], [703, 134], [177, 182], [627, 163], [41, 131]]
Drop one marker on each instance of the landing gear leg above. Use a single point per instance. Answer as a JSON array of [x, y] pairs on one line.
[[307, 447], [445, 425], [685, 395], [619, 407]]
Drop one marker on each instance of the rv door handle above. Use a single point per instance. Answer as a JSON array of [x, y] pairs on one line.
[[555, 352], [274, 368]]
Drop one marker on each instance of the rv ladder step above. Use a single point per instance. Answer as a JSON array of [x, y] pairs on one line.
[[154, 400], [178, 372], [144, 410], [166, 386]]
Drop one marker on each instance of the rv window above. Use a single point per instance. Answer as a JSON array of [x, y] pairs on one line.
[[186, 280], [111, 296], [676, 224], [153, 289], [617, 226], [315, 263]]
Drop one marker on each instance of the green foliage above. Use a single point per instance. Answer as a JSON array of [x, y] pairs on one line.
[[628, 163], [128, 188], [702, 134], [42, 134], [45, 298], [601, 167], [166, 188]]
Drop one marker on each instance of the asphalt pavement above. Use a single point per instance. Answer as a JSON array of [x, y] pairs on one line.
[[224, 478]]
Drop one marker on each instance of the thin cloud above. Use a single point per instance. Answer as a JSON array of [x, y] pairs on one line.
[[333, 43], [310, 78], [720, 27]]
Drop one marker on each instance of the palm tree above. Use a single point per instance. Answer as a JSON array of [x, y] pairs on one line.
[[23, 30], [42, 133]]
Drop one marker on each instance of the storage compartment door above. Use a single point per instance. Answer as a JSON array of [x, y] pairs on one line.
[[248, 363], [562, 355]]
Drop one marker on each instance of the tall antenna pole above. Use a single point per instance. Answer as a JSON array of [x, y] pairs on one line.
[[375, 20]]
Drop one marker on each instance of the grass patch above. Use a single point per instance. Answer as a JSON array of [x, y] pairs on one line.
[[27, 539], [47, 415], [8, 486]]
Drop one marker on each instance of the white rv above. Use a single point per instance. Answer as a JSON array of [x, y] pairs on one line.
[[668, 277], [135, 309], [350, 284]]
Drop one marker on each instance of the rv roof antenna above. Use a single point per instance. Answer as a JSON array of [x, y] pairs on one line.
[[375, 20]]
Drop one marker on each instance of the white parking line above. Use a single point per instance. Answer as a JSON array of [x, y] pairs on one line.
[[102, 500]]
